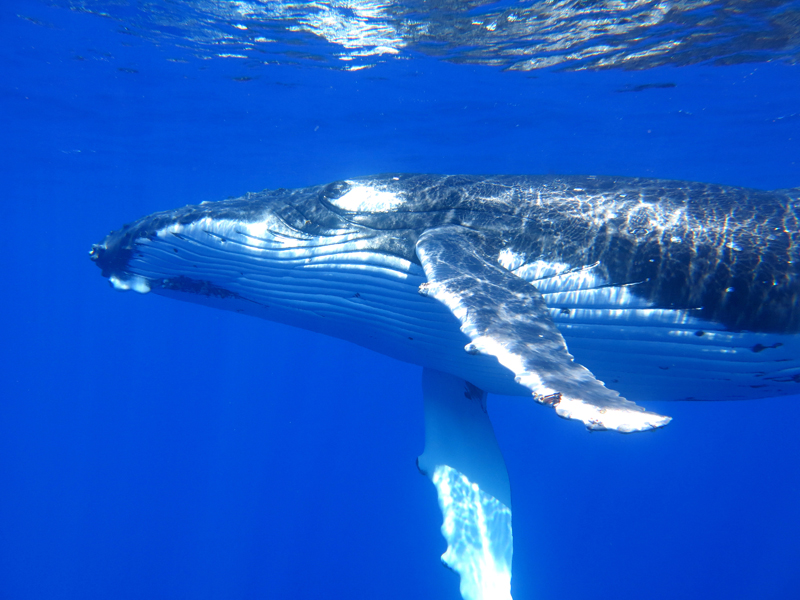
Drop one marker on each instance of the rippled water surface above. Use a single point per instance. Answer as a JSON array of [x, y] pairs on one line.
[[509, 34]]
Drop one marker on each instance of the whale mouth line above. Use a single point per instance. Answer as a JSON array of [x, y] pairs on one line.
[[202, 287]]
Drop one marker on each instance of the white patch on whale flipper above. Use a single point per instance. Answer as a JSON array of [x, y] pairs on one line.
[[465, 464], [477, 528]]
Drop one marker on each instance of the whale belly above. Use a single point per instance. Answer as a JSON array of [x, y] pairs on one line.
[[652, 353]]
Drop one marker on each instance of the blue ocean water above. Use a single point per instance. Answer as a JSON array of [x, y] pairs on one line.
[[155, 449]]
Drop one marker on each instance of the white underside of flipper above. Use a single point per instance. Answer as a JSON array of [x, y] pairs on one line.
[[477, 527], [464, 462]]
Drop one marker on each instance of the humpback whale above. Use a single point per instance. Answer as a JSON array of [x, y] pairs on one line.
[[584, 293]]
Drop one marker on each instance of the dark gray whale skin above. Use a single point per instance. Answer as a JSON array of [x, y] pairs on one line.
[[725, 254]]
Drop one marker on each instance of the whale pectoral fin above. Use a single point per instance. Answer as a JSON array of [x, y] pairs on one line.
[[506, 317], [464, 462]]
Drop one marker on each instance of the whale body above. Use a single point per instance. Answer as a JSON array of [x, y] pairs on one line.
[[585, 293]]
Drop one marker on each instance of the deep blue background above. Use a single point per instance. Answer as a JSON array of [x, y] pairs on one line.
[[154, 449]]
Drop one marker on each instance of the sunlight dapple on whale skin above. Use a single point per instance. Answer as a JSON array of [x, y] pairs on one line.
[[583, 292]]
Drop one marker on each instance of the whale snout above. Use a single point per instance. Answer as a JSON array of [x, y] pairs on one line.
[[109, 255], [112, 256], [97, 253]]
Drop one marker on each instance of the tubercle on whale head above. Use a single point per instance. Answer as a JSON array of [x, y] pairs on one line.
[[116, 250]]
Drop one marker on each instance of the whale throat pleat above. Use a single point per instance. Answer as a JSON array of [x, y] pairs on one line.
[[333, 284]]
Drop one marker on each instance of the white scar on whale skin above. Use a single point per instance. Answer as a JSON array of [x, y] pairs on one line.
[[367, 199]]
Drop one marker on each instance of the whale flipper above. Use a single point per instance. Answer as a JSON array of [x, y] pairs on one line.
[[464, 462], [506, 317]]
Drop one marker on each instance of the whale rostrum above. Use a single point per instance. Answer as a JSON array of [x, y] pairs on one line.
[[585, 293]]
